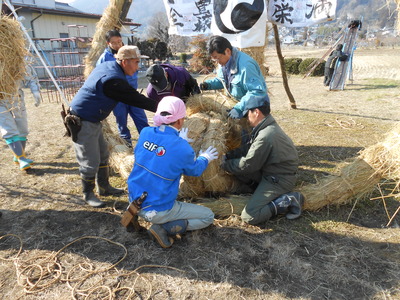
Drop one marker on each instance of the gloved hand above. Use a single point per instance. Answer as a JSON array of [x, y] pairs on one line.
[[234, 114], [203, 86], [211, 153], [184, 134], [36, 96]]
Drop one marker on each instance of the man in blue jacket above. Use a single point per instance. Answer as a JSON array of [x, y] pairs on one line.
[[105, 87], [121, 111], [168, 80], [239, 74], [162, 155]]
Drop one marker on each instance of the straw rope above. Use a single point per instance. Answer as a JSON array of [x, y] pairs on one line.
[[42, 272]]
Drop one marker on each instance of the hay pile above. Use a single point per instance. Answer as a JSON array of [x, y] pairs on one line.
[[12, 57], [359, 177], [209, 125], [110, 20], [121, 157]]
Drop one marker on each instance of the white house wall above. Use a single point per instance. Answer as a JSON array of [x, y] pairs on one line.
[[49, 26]]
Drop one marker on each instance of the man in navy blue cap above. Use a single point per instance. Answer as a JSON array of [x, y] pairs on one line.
[[268, 164]]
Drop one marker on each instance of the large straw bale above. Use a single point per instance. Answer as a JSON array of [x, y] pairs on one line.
[[209, 126], [12, 58], [109, 20], [358, 178]]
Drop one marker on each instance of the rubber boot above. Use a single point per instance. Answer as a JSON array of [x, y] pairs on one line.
[[16, 147], [15, 159], [295, 208], [88, 194], [291, 202], [103, 186]]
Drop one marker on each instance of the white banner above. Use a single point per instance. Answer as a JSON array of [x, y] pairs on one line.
[[301, 13], [242, 22], [189, 17]]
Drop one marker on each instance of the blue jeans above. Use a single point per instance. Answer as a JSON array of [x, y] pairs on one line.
[[198, 216], [138, 116]]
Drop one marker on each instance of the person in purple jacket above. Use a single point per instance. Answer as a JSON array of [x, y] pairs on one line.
[[162, 156], [122, 110], [168, 80]]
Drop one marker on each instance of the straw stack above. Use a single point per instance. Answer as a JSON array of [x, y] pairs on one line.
[[110, 20], [121, 157], [209, 125], [12, 58], [359, 177]]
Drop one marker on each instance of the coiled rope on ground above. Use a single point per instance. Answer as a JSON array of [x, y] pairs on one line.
[[42, 272]]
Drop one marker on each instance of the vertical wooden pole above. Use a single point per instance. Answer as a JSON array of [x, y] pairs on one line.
[[282, 63]]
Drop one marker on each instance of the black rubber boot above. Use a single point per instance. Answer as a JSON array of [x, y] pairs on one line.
[[290, 203], [103, 185], [88, 194]]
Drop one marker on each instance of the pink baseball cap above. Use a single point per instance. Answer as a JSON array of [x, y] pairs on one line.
[[172, 105]]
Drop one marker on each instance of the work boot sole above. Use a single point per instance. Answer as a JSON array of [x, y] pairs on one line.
[[103, 192]]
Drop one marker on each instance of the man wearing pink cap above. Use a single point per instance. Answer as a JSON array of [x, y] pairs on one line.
[[162, 155]]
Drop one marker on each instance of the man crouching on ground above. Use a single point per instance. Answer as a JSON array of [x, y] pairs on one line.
[[162, 155], [267, 164]]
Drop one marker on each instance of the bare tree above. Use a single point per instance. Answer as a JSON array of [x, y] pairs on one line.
[[157, 28], [179, 43]]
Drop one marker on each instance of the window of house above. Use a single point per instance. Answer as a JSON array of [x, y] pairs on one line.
[[64, 44]]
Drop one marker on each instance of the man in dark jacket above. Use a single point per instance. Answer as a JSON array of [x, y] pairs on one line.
[[104, 88], [168, 80], [268, 164], [331, 63]]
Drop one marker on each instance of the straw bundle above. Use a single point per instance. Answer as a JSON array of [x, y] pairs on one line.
[[257, 53], [110, 20], [12, 57], [359, 177], [121, 157], [209, 126]]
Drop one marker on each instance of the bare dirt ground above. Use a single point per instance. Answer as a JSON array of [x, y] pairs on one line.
[[52, 246]]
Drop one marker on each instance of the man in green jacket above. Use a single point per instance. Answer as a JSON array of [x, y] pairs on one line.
[[268, 164]]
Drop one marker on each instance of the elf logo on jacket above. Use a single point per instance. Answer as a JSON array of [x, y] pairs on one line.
[[159, 150]]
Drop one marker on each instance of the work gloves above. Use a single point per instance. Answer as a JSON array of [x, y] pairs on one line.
[[234, 114], [36, 96], [210, 154], [184, 134]]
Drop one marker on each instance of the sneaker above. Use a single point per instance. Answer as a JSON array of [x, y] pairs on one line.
[[159, 234]]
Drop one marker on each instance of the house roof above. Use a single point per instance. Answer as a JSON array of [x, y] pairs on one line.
[[64, 9]]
